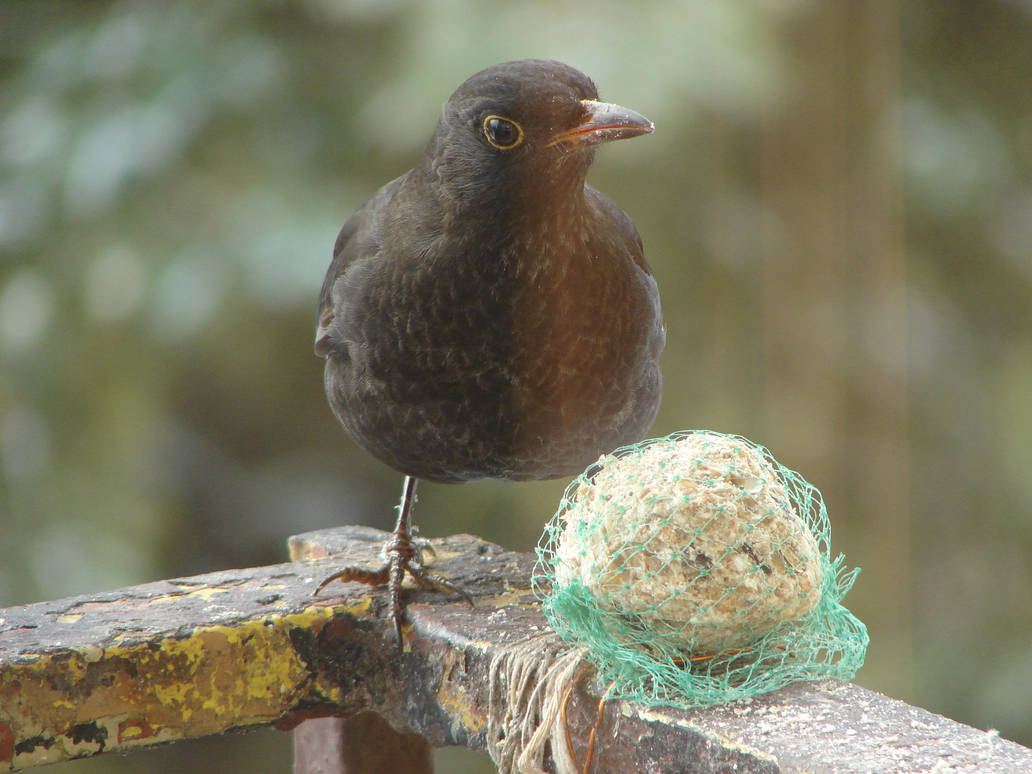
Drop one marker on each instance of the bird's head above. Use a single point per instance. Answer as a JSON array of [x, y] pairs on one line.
[[528, 127]]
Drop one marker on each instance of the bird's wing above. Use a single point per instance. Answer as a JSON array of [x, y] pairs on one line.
[[622, 227], [624, 233], [358, 238]]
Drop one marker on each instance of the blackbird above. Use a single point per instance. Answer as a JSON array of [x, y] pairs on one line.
[[488, 314]]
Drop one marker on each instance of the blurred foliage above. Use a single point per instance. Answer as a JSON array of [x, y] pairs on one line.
[[837, 203]]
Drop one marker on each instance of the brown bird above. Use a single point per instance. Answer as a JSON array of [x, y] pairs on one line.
[[488, 314]]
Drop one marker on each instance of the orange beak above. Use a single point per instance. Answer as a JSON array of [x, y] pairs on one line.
[[602, 122]]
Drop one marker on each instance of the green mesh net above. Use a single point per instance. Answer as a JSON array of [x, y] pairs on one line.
[[696, 570]]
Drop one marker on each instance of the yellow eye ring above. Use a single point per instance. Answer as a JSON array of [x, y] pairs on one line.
[[503, 133]]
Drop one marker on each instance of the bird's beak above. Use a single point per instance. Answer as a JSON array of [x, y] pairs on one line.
[[602, 122]]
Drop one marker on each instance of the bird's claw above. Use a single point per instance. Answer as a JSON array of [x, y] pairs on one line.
[[431, 580], [402, 554], [356, 575]]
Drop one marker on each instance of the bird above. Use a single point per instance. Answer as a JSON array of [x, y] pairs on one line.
[[488, 314]]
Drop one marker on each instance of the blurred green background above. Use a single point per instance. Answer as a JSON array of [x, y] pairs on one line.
[[837, 203]]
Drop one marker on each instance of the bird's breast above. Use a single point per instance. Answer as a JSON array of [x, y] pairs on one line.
[[584, 354], [521, 359]]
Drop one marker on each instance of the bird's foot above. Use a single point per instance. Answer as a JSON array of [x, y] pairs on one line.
[[421, 544], [402, 554]]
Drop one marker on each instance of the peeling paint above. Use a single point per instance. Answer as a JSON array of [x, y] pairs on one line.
[[92, 653], [77, 702], [673, 719], [456, 700], [202, 593], [197, 656]]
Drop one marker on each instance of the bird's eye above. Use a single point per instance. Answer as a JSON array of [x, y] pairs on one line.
[[502, 133]]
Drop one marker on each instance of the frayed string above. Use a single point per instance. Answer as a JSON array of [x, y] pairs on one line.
[[529, 684]]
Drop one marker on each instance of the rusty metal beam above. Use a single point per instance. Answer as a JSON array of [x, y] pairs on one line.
[[190, 657]]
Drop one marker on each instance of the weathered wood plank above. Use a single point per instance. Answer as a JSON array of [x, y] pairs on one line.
[[190, 657]]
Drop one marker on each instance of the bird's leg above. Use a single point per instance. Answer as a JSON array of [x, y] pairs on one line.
[[402, 555], [401, 552]]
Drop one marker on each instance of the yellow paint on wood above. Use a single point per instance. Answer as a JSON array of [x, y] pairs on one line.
[[133, 694], [455, 699]]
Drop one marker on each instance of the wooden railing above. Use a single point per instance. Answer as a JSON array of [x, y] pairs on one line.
[[190, 657]]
